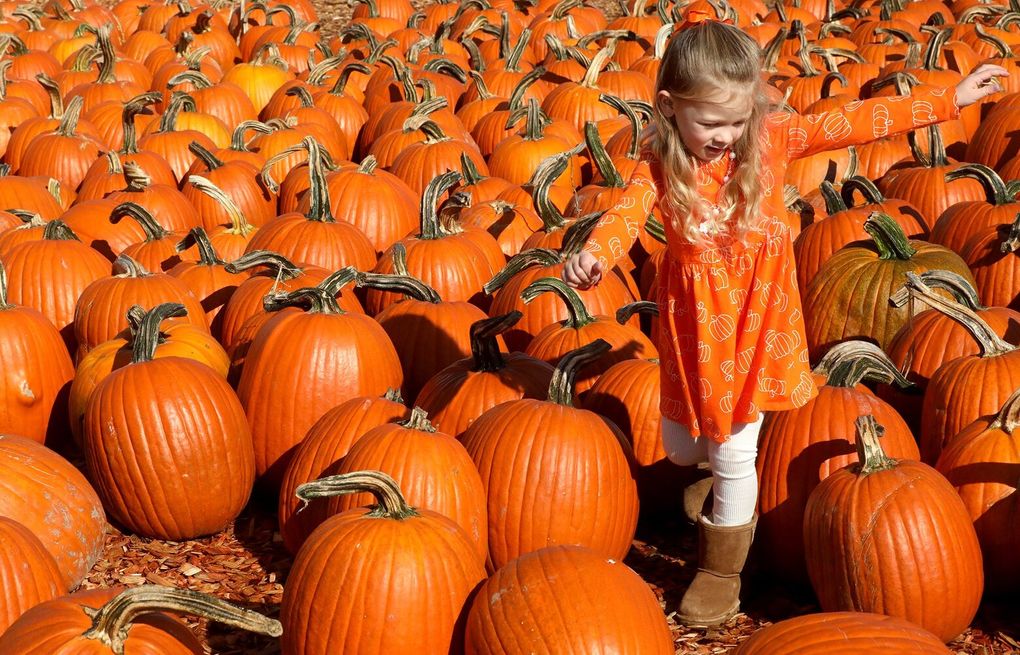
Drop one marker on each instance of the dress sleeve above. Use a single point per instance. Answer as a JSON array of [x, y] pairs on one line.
[[616, 231], [859, 122]]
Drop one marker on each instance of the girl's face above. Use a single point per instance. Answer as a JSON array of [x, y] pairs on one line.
[[710, 125]]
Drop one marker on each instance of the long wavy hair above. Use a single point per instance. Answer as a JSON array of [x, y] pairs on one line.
[[700, 61]]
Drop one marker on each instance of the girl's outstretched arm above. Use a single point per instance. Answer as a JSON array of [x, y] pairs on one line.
[[863, 121], [618, 228]]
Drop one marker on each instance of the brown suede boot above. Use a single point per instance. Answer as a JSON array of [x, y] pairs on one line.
[[714, 594], [698, 495]]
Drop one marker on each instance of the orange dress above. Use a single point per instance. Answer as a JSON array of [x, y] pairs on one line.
[[731, 330]]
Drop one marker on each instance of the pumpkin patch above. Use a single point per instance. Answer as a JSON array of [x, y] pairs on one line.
[[284, 331]]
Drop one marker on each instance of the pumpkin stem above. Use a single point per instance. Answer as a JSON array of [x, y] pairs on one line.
[[58, 230], [410, 286], [519, 262], [625, 108], [206, 252], [889, 238], [991, 344], [345, 76], [864, 186], [237, 140], [962, 291], [936, 156], [135, 177], [561, 389], [147, 337], [548, 171], [109, 57], [318, 191], [238, 223], [390, 502], [419, 420], [577, 234], [53, 90], [598, 62], [516, 99], [625, 313], [578, 314], [485, 353], [110, 624], [849, 363], [603, 162], [153, 230], [129, 266], [1012, 240], [870, 456], [995, 188], [834, 202], [211, 161], [4, 304], [315, 300], [179, 101], [1008, 418], [132, 108], [337, 280], [280, 266], [430, 225], [69, 121]]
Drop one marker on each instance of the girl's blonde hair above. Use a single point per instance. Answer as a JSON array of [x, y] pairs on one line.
[[699, 61]]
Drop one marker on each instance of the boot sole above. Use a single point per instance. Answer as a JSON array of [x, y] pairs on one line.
[[710, 622]]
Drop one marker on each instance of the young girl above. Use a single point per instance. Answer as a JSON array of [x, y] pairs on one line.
[[732, 339]]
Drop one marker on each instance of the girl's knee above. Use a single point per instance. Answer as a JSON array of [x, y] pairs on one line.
[[681, 448]]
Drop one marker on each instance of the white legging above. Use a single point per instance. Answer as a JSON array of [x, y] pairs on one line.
[[734, 478]]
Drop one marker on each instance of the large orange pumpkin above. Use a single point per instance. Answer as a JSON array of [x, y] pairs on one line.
[[801, 447], [520, 610], [49, 496], [868, 535], [115, 621], [981, 462], [457, 395], [354, 558], [180, 464], [36, 372], [28, 573], [432, 468], [528, 451], [320, 453], [334, 355]]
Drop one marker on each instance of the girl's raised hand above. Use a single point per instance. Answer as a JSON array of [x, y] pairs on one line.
[[582, 270], [980, 84]]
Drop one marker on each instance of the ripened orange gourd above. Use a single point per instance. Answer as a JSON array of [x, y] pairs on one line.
[[115, 621], [893, 537], [320, 453], [333, 354], [180, 465], [28, 573], [49, 496], [36, 370], [352, 561], [856, 632], [520, 610], [528, 451]]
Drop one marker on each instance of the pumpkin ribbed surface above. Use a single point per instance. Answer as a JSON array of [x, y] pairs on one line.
[[28, 573], [531, 455], [842, 633], [521, 608], [50, 497]]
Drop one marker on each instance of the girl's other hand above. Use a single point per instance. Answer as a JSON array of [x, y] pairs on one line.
[[582, 270], [980, 84]]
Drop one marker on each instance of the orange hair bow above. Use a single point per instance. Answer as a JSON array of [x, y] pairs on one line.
[[695, 16]]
